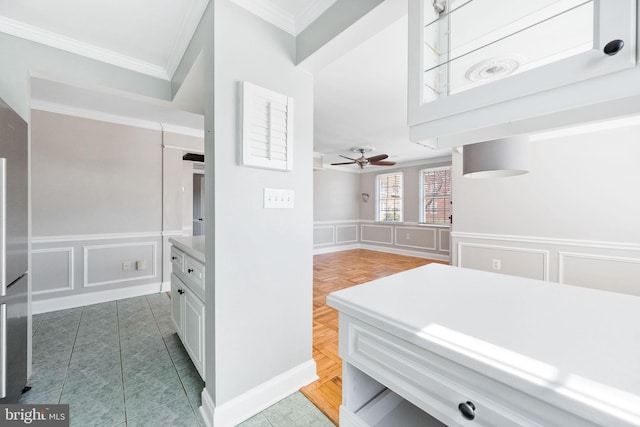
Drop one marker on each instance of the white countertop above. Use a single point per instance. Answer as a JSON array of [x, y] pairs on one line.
[[566, 344], [192, 245]]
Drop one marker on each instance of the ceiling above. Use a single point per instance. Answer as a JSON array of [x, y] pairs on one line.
[[360, 99]]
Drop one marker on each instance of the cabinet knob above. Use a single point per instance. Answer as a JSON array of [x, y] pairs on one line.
[[468, 410], [189, 270], [180, 291], [173, 258], [613, 47]]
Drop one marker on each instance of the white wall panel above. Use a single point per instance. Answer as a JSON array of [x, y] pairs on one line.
[[605, 272], [323, 235], [346, 233], [52, 270], [103, 264], [514, 261], [416, 237], [376, 234]]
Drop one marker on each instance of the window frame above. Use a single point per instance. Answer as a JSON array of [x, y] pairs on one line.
[[422, 213], [378, 198]]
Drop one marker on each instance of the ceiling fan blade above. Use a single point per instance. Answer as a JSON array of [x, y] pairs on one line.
[[377, 158], [344, 163], [345, 157], [382, 163]]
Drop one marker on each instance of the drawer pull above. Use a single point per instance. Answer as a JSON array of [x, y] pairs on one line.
[[173, 258], [190, 270], [468, 410], [180, 291]]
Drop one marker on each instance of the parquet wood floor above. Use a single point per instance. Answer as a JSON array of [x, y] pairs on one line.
[[332, 272]]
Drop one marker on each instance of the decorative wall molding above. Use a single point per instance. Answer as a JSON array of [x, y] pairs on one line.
[[441, 247], [349, 221], [563, 256], [172, 233], [188, 28], [271, 13], [68, 44], [92, 237], [181, 130], [70, 254], [422, 230], [549, 241], [333, 235], [332, 249], [304, 18], [87, 260], [544, 253], [362, 233], [259, 398], [348, 226], [79, 300]]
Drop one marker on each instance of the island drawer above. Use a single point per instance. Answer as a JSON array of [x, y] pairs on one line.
[[452, 393], [177, 259]]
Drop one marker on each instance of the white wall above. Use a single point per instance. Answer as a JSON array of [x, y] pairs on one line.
[[259, 261], [573, 219]]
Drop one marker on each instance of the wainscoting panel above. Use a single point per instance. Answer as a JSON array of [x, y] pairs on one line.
[[376, 234], [609, 266], [409, 239], [323, 235], [611, 273], [416, 238], [514, 261], [52, 270], [80, 269], [346, 233], [105, 264]]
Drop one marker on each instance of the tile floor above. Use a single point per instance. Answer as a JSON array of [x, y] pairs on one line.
[[122, 364]]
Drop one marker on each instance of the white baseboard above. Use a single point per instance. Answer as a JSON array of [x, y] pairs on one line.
[[72, 301], [332, 249], [259, 398], [390, 250], [165, 287]]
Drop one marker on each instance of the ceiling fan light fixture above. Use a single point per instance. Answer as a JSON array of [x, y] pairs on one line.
[[496, 158]]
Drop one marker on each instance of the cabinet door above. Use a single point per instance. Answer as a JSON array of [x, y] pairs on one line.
[[193, 335], [467, 55], [177, 303]]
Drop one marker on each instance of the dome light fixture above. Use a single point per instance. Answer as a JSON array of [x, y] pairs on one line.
[[496, 158]]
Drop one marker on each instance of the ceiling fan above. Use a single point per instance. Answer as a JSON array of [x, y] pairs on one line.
[[363, 161]]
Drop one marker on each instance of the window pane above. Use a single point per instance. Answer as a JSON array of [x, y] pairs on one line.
[[390, 197], [437, 196]]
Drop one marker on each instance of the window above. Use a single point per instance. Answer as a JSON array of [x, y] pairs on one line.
[[435, 195], [389, 197]]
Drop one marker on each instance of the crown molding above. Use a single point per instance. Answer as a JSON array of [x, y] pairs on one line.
[[310, 14], [51, 39], [67, 110], [271, 13], [188, 29]]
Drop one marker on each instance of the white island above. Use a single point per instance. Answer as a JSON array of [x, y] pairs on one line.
[[188, 295], [445, 345]]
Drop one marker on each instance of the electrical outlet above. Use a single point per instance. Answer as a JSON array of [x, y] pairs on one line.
[[140, 265], [407, 236], [496, 264], [126, 266]]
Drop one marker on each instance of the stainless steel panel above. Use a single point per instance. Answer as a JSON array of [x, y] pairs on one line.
[[3, 351], [14, 148], [15, 339]]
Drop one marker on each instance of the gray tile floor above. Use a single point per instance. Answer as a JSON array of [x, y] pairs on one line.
[[121, 364]]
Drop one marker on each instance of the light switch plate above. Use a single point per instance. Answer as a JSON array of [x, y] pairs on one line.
[[275, 198]]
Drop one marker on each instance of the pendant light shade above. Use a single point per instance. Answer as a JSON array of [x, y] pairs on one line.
[[496, 158]]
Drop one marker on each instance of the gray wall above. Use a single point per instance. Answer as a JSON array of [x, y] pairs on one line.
[[573, 219], [342, 220], [259, 293], [102, 194], [336, 195]]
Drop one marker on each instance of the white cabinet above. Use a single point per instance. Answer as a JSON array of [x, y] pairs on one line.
[[187, 305], [483, 63]]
